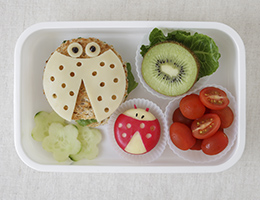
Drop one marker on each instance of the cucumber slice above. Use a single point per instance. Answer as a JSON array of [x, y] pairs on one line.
[[62, 141], [42, 121], [89, 138]]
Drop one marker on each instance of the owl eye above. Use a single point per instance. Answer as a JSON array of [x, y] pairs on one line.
[[92, 49], [75, 49]]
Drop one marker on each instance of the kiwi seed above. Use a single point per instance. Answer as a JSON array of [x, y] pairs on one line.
[[170, 68]]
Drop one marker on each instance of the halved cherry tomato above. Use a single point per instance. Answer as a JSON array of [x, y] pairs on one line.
[[214, 98], [178, 117], [197, 145], [181, 136], [215, 144], [226, 116], [191, 106], [205, 126]]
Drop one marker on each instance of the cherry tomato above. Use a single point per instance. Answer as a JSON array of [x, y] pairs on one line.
[[205, 126], [215, 144], [226, 116], [214, 98], [207, 111], [197, 145], [181, 136], [191, 106], [220, 129], [178, 117]]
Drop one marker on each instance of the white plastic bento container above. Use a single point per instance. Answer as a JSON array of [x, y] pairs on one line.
[[34, 47]]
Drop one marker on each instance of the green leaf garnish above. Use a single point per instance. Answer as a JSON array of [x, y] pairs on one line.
[[85, 122], [132, 84]]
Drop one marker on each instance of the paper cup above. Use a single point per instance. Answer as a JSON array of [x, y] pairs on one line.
[[138, 62], [198, 156], [157, 151]]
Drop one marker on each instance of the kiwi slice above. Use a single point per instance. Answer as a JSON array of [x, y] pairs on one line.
[[170, 68]]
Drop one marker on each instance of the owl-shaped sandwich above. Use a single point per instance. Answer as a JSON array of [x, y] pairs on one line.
[[85, 79]]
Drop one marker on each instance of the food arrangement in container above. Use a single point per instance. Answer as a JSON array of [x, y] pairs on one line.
[[107, 103], [202, 125]]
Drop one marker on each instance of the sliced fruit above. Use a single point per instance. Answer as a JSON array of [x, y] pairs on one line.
[[214, 98], [205, 126], [170, 68]]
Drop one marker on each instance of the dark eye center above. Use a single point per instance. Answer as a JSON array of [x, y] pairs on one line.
[[136, 114], [142, 117], [75, 49], [92, 48]]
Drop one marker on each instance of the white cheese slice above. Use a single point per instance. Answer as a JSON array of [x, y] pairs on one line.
[[140, 114], [107, 88], [103, 76], [57, 72], [136, 145]]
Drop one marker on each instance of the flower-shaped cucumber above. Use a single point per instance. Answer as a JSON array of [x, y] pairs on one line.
[[89, 138], [42, 121], [62, 141]]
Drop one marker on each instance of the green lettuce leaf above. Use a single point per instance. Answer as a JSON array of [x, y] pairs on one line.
[[132, 84], [85, 122], [155, 37], [201, 45]]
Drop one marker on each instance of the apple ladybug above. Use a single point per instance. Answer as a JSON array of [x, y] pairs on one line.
[[137, 131]]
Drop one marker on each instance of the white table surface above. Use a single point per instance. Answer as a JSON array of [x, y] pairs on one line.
[[18, 181]]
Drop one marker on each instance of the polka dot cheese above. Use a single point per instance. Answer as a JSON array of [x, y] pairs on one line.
[[103, 77]]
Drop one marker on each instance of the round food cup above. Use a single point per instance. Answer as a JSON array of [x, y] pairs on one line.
[[196, 156], [157, 151], [138, 62]]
